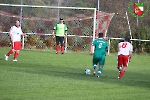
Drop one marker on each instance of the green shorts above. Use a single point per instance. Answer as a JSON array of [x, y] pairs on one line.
[[99, 59]]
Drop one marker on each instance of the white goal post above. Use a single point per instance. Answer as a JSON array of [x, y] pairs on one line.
[[55, 7]]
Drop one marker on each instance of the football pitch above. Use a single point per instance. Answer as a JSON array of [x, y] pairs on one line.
[[43, 75]]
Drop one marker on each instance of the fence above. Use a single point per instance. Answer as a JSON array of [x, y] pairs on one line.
[[38, 22]]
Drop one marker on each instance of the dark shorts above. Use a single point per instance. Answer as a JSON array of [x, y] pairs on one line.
[[60, 40]]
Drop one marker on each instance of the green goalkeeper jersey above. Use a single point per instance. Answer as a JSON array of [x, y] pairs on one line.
[[101, 46], [60, 29]]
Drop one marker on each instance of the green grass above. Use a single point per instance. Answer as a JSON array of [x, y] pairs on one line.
[[43, 75]]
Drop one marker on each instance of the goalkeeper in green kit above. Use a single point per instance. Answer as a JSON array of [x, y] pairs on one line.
[[101, 46], [60, 30]]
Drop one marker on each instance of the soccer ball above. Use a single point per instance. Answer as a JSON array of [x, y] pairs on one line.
[[87, 71]]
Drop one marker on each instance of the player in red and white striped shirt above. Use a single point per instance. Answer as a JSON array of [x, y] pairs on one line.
[[15, 35], [125, 50]]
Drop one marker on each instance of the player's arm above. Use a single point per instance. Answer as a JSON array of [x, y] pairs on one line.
[[93, 45], [65, 28], [24, 34], [10, 34], [66, 32], [106, 49], [54, 30], [130, 53], [119, 47], [53, 33], [11, 37]]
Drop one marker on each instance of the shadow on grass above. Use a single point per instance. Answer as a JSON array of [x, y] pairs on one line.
[[108, 76], [2, 59], [77, 73]]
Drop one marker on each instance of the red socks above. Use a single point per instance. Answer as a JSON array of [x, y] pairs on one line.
[[16, 55], [57, 49], [9, 53], [62, 49], [121, 74]]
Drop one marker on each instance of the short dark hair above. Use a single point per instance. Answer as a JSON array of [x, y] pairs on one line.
[[100, 35], [127, 39], [61, 18]]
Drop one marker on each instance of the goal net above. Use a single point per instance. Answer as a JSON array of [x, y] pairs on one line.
[[38, 22], [103, 20]]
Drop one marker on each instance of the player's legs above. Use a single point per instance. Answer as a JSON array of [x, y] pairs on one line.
[[122, 72], [101, 64], [100, 69], [120, 62], [10, 52], [95, 69], [57, 44], [62, 44], [17, 46], [125, 64], [16, 55], [125, 60], [95, 61]]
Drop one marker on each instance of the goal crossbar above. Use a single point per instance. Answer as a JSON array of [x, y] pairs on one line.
[[37, 6]]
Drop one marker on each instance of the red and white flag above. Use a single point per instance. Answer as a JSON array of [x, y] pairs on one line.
[[138, 8]]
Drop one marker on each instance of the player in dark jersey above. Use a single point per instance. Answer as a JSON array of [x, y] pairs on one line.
[[101, 46]]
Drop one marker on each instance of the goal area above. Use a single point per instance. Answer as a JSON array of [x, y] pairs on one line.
[[38, 21]]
